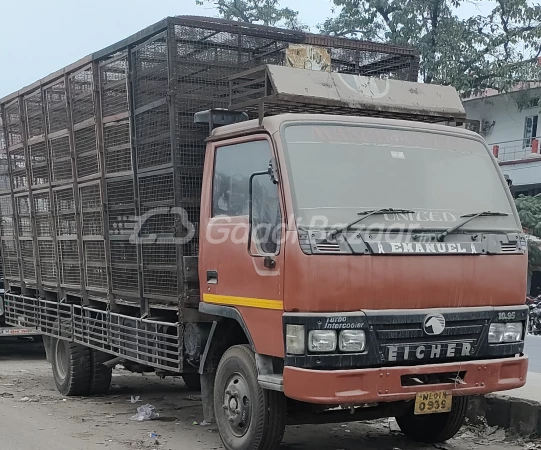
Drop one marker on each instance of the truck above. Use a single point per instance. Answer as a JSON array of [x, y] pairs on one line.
[[289, 221]]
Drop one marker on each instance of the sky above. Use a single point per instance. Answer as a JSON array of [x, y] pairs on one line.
[[39, 37]]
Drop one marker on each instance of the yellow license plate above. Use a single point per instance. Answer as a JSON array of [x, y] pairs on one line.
[[433, 402]]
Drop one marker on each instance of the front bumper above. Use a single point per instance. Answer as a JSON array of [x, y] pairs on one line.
[[356, 386]]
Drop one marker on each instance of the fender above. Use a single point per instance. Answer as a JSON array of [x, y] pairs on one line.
[[226, 312]]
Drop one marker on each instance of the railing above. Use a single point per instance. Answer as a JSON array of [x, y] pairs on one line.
[[517, 149]]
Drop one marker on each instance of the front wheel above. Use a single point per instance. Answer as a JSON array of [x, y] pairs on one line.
[[434, 428], [248, 417]]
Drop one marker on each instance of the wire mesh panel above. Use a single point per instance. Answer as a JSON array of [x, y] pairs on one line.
[[65, 212], [55, 107], [114, 86], [82, 100], [61, 159], [27, 255], [34, 115], [124, 267], [13, 124], [117, 147], [91, 209], [39, 164], [5, 185], [153, 137], [150, 71], [42, 210], [69, 263], [95, 264], [23, 216], [6, 216], [17, 161], [122, 225], [87, 152], [157, 197], [160, 269], [11, 261], [47, 262]]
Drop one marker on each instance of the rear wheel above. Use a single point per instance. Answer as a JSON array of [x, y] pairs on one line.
[[100, 377], [192, 381], [248, 417], [71, 367], [434, 428]]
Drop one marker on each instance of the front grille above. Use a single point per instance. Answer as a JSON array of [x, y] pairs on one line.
[[509, 248], [328, 247], [398, 336]]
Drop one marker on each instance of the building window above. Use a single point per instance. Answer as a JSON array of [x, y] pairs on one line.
[[530, 130]]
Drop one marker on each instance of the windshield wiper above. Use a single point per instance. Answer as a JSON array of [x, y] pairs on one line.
[[365, 214], [470, 217]]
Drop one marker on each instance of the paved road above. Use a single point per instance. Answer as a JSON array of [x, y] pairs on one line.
[[46, 420], [533, 350]]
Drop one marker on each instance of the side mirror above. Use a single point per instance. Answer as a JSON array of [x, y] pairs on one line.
[[263, 215]]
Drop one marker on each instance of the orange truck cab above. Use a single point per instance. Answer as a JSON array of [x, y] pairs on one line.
[[373, 265]]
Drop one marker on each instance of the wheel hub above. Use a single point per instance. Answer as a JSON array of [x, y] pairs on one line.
[[237, 404]]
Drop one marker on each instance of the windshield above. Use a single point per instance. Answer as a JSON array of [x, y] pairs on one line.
[[338, 170]]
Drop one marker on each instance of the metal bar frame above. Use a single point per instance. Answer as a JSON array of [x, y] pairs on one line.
[[13, 204], [75, 188]]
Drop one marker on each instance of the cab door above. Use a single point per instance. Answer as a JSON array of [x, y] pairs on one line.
[[242, 266]]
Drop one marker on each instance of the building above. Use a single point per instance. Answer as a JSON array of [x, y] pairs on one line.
[[513, 133]]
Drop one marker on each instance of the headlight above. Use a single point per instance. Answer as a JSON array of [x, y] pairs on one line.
[[322, 341], [1, 306], [513, 332], [295, 339], [505, 332], [352, 341]]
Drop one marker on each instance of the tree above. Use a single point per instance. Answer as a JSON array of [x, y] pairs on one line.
[[264, 12], [529, 211], [498, 50]]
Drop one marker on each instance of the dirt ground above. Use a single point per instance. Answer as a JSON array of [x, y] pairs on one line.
[[34, 416]]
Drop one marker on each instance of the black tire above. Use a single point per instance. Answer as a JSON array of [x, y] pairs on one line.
[[71, 367], [100, 376], [192, 381], [434, 428], [236, 387]]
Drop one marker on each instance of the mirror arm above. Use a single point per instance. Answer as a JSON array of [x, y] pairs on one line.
[[250, 208]]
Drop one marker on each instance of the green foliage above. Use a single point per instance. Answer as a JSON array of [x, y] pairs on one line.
[[529, 211], [264, 12], [496, 51]]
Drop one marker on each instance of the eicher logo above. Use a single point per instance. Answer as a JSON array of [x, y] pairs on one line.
[[428, 351], [434, 324]]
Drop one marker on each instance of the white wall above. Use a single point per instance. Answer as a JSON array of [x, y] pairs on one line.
[[503, 110], [525, 172]]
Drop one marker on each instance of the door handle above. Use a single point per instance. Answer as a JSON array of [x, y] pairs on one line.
[[212, 277]]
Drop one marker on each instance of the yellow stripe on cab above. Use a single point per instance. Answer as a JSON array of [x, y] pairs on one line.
[[243, 301]]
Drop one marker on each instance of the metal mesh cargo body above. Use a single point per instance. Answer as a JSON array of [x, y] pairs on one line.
[[101, 163]]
